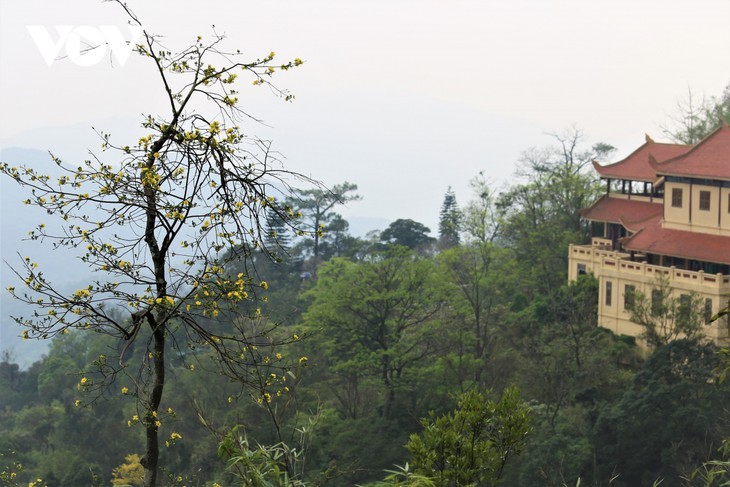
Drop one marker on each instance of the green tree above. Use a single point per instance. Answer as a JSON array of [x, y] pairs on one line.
[[374, 320], [449, 221], [671, 419], [476, 277], [18, 388], [337, 241], [472, 444], [315, 206], [541, 215], [666, 316], [155, 219], [482, 217], [278, 227], [569, 367], [408, 233]]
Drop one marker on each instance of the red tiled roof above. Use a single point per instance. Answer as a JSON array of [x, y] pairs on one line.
[[618, 210], [708, 159], [678, 243], [636, 166]]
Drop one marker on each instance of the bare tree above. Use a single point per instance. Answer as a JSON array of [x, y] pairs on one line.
[[158, 221], [697, 117]]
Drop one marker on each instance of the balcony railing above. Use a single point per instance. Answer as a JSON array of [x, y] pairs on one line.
[[601, 242], [599, 257]]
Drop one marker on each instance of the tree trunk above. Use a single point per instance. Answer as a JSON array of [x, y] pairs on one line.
[[157, 326], [151, 458]]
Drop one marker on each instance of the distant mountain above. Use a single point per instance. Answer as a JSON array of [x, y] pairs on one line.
[[16, 219]]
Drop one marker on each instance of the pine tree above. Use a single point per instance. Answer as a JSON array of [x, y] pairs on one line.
[[277, 237], [449, 221]]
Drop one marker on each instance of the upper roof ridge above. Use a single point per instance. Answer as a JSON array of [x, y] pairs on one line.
[[706, 159]]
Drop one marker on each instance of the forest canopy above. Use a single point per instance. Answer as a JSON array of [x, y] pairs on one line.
[[238, 334]]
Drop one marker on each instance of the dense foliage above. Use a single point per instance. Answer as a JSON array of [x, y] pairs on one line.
[[293, 353], [397, 354]]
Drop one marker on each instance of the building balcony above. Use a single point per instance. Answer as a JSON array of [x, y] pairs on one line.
[[604, 243], [599, 259]]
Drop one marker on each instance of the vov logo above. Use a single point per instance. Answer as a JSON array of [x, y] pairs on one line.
[[85, 45]]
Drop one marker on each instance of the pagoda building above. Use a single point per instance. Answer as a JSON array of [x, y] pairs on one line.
[[665, 213]]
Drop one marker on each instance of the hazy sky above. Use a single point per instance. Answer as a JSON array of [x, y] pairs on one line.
[[402, 97]]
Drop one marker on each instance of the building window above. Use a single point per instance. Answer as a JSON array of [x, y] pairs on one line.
[[705, 200], [629, 296], [581, 269], [708, 310], [677, 197], [609, 292]]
